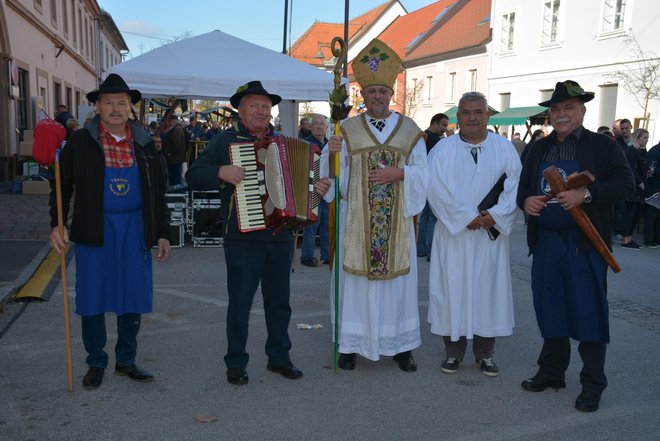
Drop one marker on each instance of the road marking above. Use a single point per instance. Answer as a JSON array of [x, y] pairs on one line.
[[37, 284]]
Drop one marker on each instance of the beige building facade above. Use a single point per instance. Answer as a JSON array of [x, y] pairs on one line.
[[51, 52]]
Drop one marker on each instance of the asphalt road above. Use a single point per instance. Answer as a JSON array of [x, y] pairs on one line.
[[183, 343]]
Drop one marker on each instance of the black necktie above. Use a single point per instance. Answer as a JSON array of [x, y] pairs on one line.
[[473, 150], [378, 123]]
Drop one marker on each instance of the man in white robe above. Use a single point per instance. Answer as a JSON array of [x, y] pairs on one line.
[[383, 182], [470, 278]]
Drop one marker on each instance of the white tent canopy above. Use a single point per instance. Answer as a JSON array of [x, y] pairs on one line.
[[213, 65]]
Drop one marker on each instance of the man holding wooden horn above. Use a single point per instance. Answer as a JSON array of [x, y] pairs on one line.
[[568, 274]]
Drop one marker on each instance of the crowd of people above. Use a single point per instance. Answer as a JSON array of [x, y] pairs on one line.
[[466, 190]]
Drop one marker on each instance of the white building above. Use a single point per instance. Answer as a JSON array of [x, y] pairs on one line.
[[537, 43], [51, 52]]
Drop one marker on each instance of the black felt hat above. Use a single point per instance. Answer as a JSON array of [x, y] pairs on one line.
[[114, 84], [567, 90], [252, 88]]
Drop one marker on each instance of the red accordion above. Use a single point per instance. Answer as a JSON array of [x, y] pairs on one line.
[[278, 188]]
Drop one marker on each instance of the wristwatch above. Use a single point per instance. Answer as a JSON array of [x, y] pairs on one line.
[[587, 196]]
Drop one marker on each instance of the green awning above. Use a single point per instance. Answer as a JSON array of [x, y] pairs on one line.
[[516, 116], [451, 113]]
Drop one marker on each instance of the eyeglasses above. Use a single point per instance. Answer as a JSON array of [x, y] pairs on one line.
[[318, 124]]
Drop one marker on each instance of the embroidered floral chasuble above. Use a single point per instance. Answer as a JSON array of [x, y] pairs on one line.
[[376, 240]]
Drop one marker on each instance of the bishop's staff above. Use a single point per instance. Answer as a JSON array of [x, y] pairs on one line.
[[338, 111]]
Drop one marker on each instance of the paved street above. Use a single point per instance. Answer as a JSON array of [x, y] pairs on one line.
[[183, 343]]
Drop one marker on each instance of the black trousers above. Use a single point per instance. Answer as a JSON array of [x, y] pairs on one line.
[[249, 263], [94, 338], [556, 354], [482, 347]]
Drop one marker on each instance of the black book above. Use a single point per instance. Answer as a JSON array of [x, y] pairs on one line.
[[490, 200]]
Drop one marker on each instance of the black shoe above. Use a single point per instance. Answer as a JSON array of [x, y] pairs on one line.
[[587, 401], [286, 370], [450, 365], [539, 384], [93, 378], [347, 362], [237, 376], [310, 261], [134, 373], [406, 361], [325, 262]]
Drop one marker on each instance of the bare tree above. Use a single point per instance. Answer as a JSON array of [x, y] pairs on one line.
[[641, 77], [410, 100]]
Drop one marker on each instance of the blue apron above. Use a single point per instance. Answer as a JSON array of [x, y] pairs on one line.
[[569, 286], [116, 277]]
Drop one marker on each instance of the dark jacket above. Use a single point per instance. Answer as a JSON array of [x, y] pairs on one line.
[[637, 162], [431, 139], [174, 145], [203, 176], [605, 160], [654, 155], [82, 165]]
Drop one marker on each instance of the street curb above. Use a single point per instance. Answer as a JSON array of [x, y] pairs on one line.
[[7, 292]]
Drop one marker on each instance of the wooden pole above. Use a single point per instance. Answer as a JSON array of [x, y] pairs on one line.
[[65, 289]]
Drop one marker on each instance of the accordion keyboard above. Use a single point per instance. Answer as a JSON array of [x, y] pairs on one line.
[[249, 191]]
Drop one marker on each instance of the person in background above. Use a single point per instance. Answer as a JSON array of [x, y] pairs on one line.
[[636, 156], [569, 277], [319, 129], [435, 132], [383, 181], [120, 214], [470, 294], [62, 116], [538, 134], [652, 215], [255, 258], [174, 150], [214, 130], [518, 143], [305, 127], [622, 132], [72, 125]]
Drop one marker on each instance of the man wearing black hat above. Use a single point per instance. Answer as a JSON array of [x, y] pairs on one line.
[[255, 257], [569, 277], [120, 214]]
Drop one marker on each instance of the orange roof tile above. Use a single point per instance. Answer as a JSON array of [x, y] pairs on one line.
[[407, 28], [320, 34], [469, 27]]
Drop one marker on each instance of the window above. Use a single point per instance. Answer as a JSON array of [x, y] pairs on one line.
[[613, 15], [473, 80], [73, 24], [22, 100], [80, 32], [451, 87], [53, 11], [505, 101], [38, 6], [550, 21], [91, 42], [427, 91], [57, 94], [607, 106], [546, 94], [508, 24], [86, 38], [65, 17]]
